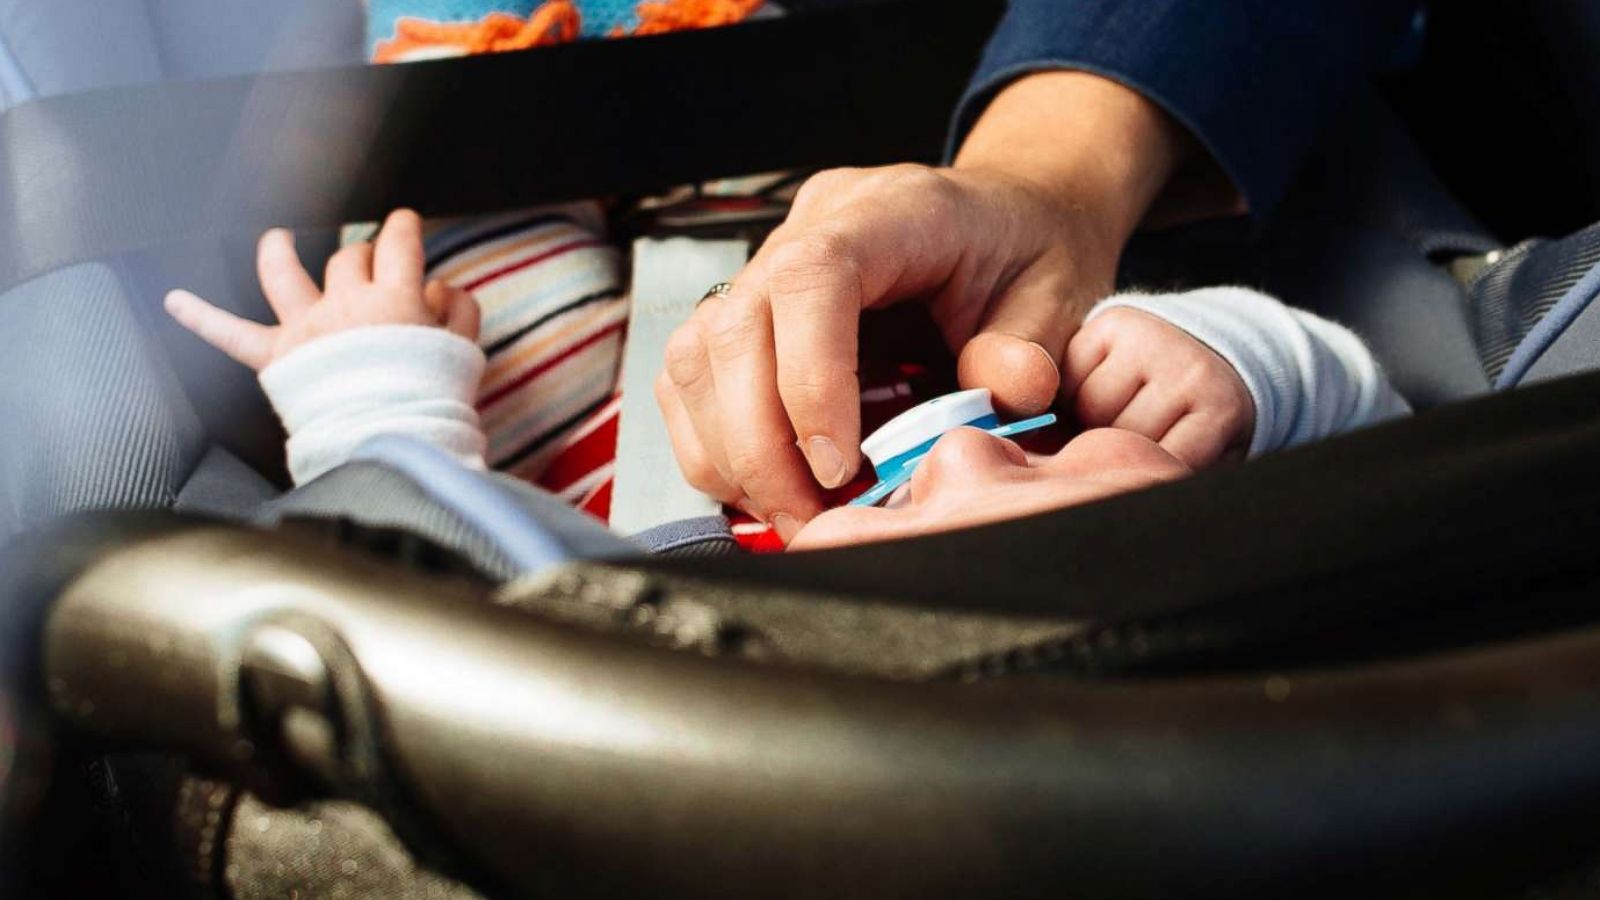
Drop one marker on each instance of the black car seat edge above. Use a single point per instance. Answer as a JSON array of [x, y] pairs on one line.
[[617, 768]]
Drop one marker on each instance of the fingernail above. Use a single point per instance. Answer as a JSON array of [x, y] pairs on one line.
[[1048, 356], [827, 463], [786, 526]]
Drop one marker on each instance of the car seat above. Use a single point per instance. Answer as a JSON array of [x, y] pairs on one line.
[[87, 331], [1310, 682]]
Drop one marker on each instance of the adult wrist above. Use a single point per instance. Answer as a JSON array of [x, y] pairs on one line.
[[1099, 152]]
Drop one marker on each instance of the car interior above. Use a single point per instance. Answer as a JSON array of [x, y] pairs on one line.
[[1374, 670]]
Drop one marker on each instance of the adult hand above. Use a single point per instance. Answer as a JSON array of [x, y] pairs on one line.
[[1008, 248]]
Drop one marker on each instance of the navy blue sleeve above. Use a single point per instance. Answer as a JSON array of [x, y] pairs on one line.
[[1254, 80]]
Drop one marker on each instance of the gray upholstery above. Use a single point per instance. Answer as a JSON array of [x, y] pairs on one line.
[[91, 414], [1358, 242], [104, 402], [65, 46], [1410, 312], [224, 487], [208, 38]]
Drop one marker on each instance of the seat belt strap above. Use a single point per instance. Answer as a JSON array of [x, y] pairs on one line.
[[670, 276]]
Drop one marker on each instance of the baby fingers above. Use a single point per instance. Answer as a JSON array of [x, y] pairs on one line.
[[1101, 397], [398, 258], [454, 308], [284, 280], [1152, 412], [247, 342], [1198, 440], [350, 269]]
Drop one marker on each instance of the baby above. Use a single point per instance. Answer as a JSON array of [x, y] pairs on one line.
[[1170, 380]]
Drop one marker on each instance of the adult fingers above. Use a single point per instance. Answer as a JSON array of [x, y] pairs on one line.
[[398, 259], [758, 441], [1017, 350], [247, 342], [1020, 372], [693, 459], [284, 279], [695, 424], [859, 240], [814, 288], [350, 268]]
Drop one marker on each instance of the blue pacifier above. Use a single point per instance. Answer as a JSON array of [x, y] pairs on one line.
[[902, 442]]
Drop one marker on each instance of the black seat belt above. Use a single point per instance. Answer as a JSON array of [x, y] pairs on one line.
[[94, 175]]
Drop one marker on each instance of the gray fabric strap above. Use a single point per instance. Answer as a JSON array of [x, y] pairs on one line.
[[669, 276], [690, 538], [1528, 302], [377, 496], [1577, 349], [224, 486]]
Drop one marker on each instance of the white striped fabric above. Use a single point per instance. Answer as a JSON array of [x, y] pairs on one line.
[[554, 313]]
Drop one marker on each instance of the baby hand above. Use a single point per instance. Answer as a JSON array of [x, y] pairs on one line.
[[370, 283], [1135, 371]]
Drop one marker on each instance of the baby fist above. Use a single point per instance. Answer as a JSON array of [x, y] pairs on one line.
[[1133, 370]]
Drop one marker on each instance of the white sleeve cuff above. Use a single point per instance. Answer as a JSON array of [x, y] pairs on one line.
[[338, 391], [1309, 378]]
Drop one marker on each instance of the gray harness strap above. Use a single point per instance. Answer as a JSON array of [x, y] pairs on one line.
[[669, 278], [1532, 306], [1575, 349]]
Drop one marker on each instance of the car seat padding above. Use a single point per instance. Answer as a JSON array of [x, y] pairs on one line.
[[94, 415], [149, 164]]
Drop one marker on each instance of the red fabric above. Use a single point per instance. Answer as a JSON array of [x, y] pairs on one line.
[[598, 503], [583, 456]]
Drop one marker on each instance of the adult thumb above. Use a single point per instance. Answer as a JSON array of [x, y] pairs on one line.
[[1017, 350]]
